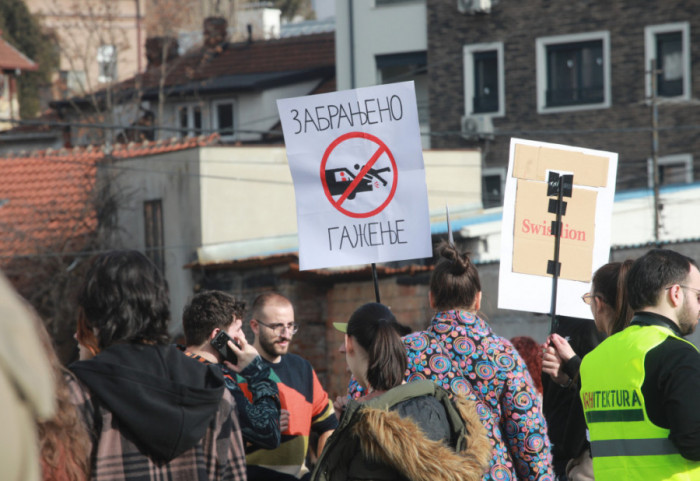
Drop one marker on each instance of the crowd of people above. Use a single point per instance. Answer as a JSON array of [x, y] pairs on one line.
[[614, 399]]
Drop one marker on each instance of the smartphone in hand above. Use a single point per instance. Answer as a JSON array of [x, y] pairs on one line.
[[220, 343]]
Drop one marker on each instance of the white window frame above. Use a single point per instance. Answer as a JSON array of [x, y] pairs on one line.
[[215, 117], [650, 33], [541, 45], [103, 58], [468, 52], [678, 159], [493, 171], [190, 118]]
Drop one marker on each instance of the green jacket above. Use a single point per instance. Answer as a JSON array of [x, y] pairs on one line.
[[372, 442]]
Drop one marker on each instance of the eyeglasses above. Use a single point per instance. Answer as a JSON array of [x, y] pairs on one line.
[[588, 298], [696, 291], [280, 328]]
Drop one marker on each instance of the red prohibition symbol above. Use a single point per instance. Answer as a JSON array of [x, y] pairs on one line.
[[346, 186]]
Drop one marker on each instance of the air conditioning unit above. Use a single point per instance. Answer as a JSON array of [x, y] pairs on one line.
[[474, 6], [477, 128]]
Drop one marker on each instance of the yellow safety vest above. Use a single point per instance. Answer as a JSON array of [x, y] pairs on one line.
[[625, 444]]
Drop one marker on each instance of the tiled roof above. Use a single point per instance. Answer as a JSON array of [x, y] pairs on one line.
[[240, 65], [290, 259], [140, 149], [46, 201], [46, 196], [11, 58], [280, 55]]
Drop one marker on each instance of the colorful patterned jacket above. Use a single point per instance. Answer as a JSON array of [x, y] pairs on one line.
[[460, 352]]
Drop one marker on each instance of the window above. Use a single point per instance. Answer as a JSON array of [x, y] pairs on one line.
[[189, 120], [492, 182], [106, 63], [223, 118], [573, 72], [402, 67], [673, 169], [484, 86], [73, 82], [668, 46], [153, 229]]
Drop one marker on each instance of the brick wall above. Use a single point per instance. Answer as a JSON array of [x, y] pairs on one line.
[[518, 25], [320, 303]]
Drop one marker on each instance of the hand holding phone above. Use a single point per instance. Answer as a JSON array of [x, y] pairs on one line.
[[220, 343]]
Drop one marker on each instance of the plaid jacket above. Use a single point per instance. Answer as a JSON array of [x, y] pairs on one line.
[[218, 456]]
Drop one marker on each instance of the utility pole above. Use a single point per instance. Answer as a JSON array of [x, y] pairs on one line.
[[655, 148]]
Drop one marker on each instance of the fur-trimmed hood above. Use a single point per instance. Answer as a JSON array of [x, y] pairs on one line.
[[400, 443], [414, 431]]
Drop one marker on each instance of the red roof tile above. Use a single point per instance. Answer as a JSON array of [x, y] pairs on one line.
[[11, 58], [46, 200], [46, 195], [139, 149]]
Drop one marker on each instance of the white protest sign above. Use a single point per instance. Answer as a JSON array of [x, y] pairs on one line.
[[527, 243], [357, 164]]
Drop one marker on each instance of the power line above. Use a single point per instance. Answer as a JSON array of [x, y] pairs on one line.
[[432, 133]]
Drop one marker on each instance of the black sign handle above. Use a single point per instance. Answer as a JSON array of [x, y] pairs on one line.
[[376, 281], [561, 185]]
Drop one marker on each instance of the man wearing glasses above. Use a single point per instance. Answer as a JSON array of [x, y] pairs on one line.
[[300, 391], [640, 388]]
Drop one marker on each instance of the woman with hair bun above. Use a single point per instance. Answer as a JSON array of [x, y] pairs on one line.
[[445, 439], [460, 352]]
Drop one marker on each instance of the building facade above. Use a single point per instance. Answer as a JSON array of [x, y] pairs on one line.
[[575, 73]]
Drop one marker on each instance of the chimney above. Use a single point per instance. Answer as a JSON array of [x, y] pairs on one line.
[[154, 50], [214, 31]]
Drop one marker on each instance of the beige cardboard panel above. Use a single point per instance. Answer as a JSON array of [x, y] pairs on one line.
[[531, 256], [534, 162], [525, 161], [533, 244], [590, 170], [598, 170]]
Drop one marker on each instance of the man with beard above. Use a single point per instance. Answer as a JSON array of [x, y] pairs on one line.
[[301, 394], [642, 415]]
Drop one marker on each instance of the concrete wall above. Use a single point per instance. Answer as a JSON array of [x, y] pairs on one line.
[[247, 193], [173, 178], [372, 30], [376, 31]]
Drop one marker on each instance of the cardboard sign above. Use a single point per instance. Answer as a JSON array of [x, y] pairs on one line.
[[527, 243], [357, 164]]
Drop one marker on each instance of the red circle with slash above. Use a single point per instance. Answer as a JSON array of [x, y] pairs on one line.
[[381, 149]]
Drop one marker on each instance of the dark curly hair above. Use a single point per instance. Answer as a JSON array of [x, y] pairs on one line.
[[531, 352], [125, 297], [207, 311], [455, 282]]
